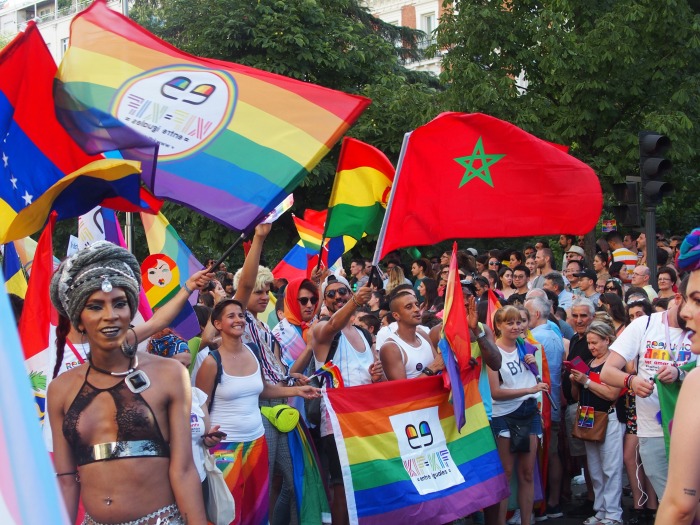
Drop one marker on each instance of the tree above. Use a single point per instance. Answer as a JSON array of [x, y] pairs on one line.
[[334, 43], [587, 73]]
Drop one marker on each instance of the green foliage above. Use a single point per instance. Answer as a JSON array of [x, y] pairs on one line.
[[587, 73]]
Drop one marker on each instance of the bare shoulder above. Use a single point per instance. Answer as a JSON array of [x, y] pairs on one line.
[[68, 380], [691, 385], [161, 367]]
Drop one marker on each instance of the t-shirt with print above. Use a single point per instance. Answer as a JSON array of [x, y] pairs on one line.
[[654, 345]]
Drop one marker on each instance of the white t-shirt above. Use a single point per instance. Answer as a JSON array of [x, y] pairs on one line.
[[654, 346], [515, 375]]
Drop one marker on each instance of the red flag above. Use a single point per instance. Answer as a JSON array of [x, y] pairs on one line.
[[475, 176]]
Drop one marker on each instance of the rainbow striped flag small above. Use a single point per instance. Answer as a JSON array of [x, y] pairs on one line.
[[403, 459], [331, 373], [311, 236]]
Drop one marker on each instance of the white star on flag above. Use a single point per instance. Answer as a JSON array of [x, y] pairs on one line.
[[27, 198], [5, 158]]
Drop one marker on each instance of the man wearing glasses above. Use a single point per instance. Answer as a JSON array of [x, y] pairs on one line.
[[355, 359], [640, 279], [521, 276]]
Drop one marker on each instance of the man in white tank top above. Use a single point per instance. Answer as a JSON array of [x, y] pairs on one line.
[[407, 353]]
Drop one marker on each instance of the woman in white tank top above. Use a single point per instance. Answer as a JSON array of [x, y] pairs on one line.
[[235, 409]]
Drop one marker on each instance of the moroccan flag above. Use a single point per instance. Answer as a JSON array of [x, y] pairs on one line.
[[29, 492], [39, 319], [360, 191], [41, 167], [454, 341], [467, 168], [402, 457], [15, 282], [234, 141], [168, 267]]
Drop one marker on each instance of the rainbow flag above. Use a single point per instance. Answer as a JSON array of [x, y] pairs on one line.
[[41, 167], [311, 499], [282, 208], [29, 493], [493, 305], [311, 236], [360, 191], [15, 282], [403, 458], [166, 246], [234, 141], [454, 341], [331, 373]]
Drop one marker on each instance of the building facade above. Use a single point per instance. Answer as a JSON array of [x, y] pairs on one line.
[[52, 17], [416, 14]]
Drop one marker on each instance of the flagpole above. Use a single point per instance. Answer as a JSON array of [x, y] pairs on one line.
[[228, 252], [382, 232], [129, 231]]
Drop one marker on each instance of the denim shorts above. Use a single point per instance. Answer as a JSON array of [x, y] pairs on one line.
[[500, 427]]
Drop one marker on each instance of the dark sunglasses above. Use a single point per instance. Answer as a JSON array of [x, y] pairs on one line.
[[610, 289], [342, 292], [305, 300], [493, 263]]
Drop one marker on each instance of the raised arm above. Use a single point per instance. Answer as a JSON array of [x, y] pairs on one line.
[[167, 313], [250, 266], [325, 331]]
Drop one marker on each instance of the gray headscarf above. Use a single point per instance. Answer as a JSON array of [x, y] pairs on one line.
[[102, 265]]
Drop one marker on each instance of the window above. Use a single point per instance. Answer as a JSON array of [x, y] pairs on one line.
[[428, 26], [64, 46]]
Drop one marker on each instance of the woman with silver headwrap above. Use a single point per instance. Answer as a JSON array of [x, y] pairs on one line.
[[679, 504], [120, 422]]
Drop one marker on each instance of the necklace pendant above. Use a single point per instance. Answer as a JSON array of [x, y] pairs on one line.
[[137, 381]]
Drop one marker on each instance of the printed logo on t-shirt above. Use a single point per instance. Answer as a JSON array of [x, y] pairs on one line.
[[515, 367], [657, 355]]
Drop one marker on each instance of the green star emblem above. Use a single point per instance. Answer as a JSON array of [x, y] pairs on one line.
[[478, 163]]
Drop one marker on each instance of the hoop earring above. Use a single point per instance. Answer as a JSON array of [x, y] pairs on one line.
[[127, 349]]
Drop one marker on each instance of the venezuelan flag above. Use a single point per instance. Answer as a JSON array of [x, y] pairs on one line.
[[360, 191], [41, 167], [234, 141], [15, 282], [403, 459]]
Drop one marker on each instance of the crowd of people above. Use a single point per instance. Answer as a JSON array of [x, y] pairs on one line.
[[604, 330]]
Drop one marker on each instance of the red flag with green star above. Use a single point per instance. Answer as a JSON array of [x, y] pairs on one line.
[[475, 176]]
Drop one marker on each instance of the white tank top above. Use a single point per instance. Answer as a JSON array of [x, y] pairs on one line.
[[354, 368], [515, 374], [236, 405], [413, 358]]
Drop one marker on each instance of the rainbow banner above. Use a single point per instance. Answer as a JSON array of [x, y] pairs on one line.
[[403, 459], [331, 374], [233, 141], [29, 493]]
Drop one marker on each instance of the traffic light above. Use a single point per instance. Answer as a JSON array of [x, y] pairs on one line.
[[653, 167], [627, 213]]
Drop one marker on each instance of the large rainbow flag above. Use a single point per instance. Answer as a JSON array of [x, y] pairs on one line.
[[233, 140], [404, 460]]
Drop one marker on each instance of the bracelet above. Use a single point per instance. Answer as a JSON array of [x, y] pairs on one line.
[[628, 381], [355, 301], [427, 371], [189, 292]]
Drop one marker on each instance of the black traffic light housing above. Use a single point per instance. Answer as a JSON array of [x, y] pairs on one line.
[[654, 167], [628, 212]]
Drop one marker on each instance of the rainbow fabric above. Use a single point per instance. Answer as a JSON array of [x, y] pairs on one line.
[[163, 239], [331, 374], [29, 493], [234, 141], [360, 191], [41, 167], [403, 459], [454, 341], [15, 281], [311, 236], [311, 500], [282, 208]]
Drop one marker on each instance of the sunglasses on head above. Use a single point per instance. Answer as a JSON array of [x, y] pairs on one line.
[[342, 292], [306, 300]]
